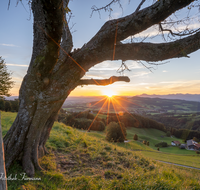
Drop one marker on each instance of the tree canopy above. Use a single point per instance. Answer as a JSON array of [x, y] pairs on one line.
[[6, 82]]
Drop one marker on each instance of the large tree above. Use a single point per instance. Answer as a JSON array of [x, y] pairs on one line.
[[55, 70]]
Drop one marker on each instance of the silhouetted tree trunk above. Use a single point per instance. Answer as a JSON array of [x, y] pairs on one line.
[[55, 70]]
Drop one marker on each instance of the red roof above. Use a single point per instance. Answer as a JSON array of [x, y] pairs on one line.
[[197, 145], [176, 142]]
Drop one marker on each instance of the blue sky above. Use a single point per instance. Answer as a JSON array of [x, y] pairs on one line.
[[177, 76]]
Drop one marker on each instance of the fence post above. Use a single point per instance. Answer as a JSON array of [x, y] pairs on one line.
[[3, 181]]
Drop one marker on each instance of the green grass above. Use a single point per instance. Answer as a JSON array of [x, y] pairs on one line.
[[155, 136], [7, 118], [81, 160]]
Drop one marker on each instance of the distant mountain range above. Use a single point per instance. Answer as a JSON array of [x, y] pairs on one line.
[[188, 97], [79, 99]]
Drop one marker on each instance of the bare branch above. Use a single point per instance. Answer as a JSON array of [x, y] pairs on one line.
[[152, 52], [186, 32], [8, 4], [103, 82], [67, 43], [158, 52], [123, 68], [134, 23], [139, 6], [105, 8]]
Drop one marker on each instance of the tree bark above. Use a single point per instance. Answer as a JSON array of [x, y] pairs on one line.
[[103, 82], [55, 71]]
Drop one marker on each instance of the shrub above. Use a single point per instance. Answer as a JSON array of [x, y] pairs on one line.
[[147, 143], [144, 142], [161, 144], [115, 132], [195, 139], [158, 149], [90, 116], [197, 152], [8, 106], [98, 126], [135, 137]]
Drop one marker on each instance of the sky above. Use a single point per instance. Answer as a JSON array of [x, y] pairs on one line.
[[181, 75]]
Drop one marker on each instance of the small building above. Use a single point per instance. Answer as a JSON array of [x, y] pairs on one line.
[[175, 143], [192, 145], [182, 146]]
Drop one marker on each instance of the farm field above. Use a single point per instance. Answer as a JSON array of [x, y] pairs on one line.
[[168, 154]]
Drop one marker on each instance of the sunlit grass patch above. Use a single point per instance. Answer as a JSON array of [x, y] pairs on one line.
[[79, 160], [7, 119]]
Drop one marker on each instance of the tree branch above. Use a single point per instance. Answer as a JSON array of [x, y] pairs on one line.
[[66, 43], [47, 32], [139, 6], [158, 52], [135, 23], [103, 82]]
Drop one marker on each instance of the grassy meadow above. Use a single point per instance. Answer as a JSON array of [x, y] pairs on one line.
[[82, 161]]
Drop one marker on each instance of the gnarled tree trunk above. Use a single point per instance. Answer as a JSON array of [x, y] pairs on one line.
[[55, 71]]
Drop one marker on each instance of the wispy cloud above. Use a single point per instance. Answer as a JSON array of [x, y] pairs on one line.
[[164, 71], [9, 45], [16, 65]]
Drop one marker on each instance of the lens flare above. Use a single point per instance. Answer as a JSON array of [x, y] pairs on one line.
[[109, 93]]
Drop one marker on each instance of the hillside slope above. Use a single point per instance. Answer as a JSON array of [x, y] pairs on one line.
[[79, 160]]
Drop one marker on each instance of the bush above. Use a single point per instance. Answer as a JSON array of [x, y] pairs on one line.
[[158, 149], [8, 106], [161, 144], [144, 142], [115, 132], [197, 152], [147, 143], [98, 126], [135, 137], [195, 139], [90, 116]]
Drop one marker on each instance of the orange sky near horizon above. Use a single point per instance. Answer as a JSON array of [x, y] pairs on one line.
[[131, 89]]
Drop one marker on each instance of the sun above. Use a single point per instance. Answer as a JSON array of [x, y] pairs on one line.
[[109, 93]]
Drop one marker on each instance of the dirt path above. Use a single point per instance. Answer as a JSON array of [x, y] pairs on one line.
[[178, 165]]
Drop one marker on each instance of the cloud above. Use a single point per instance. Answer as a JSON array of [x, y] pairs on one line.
[[140, 74], [164, 71], [9, 45], [16, 65]]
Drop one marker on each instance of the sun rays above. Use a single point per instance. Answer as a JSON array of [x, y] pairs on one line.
[[110, 106]]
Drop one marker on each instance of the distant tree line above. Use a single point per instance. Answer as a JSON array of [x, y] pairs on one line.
[[185, 134], [188, 121], [9, 105], [135, 120], [84, 120]]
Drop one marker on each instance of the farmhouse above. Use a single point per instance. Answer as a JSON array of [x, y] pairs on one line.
[[175, 143], [192, 145]]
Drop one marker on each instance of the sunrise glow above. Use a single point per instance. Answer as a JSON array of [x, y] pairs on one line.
[[109, 93]]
